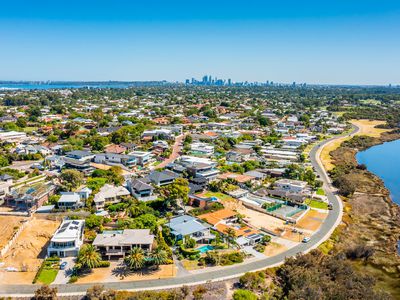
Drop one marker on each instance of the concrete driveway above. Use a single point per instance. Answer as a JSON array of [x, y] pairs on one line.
[[64, 275]]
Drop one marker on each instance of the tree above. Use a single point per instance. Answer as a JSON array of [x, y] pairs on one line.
[[21, 122], [244, 295], [231, 234], [46, 293], [264, 121], [94, 221], [266, 239], [159, 256], [176, 192], [88, 257], [71, 178], [4, 161], [135, 259]]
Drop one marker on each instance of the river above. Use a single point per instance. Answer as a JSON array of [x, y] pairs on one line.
[[384, 161]]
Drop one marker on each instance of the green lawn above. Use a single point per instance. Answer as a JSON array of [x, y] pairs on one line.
[[47, 275], [320, 192], [30, 129], [219, 195], [316, 204]]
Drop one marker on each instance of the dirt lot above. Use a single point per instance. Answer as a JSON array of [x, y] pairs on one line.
[[367, 127], [116, 272], [260, 220], [29, 249], [312, 220], [274, 248], [9, 224]]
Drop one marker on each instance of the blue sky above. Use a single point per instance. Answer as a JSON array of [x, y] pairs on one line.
[[337, 42]]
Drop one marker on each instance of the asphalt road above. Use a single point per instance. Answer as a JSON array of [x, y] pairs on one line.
[[330, 223]]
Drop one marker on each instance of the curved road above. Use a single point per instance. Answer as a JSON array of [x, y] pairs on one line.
[[330, 223]]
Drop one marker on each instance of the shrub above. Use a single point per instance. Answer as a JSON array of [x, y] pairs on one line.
[[73, 279], [259, 248], [103, 264], [252, 281], [244, 295], [188, 252]]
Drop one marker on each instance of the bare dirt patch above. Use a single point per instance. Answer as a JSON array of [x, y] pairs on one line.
[[8, 225], [29, 250], [273, 249], [312, 220], [118, 272]]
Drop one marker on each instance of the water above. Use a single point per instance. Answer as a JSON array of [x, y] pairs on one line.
[[205, 248], [384, 161]]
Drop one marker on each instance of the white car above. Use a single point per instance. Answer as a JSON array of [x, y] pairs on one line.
[[306, 240]]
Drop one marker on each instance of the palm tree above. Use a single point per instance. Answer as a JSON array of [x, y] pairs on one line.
[[159, 256], [135, 259], [89, 257], [231, 234]]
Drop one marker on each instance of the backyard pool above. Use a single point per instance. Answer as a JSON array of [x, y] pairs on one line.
[[204, 249]]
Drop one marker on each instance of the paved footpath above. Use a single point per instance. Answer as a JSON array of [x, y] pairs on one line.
[[333, 219]]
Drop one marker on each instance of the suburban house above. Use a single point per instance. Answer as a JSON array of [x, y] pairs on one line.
[[225, 219], [161, 178], [12, 136], [79, 160], [202, 149], [69, 200], [142, 157], [67, 240], [290, 185], [195, 228], [140, 189], [117, 149], [115, 159], [200, 167], [6, 182], [116, 244], [30, 197], [109, 194]]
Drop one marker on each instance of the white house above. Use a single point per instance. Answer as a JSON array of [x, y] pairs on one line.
[[12, 136], [290, 185], [67, 240], [202, 149]]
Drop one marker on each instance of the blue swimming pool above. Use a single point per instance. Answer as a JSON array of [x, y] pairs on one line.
[[204, 249]]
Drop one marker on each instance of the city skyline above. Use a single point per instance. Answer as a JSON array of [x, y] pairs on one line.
[[341, 43]]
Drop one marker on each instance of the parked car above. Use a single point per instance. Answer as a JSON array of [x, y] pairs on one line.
[[306, 240], [63, 265]]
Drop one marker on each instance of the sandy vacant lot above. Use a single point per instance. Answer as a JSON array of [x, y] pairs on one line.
[[261, 220], [29, 249], [9, 224], [117, 272], [367, 127], [312, 220], [274, 248]]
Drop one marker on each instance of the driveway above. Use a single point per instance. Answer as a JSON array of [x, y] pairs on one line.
[[64, 275], [176, 148]]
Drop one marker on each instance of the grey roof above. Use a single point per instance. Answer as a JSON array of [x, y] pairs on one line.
[[5, 177], [126, 237], [185, 225], [139, 185], [158, 176], [79, 153]]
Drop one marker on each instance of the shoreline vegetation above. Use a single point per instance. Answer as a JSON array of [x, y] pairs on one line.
[[371, 220]]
